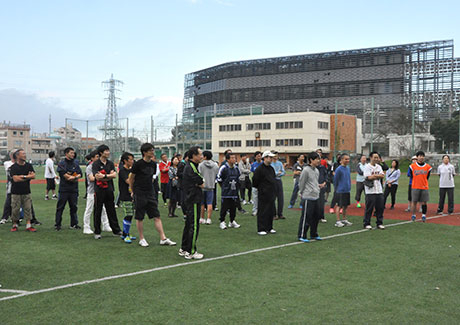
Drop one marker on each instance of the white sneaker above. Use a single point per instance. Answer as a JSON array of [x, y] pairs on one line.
[[273, 231], [87, 231], [143, 243], [2, 222], [251, 202], [182, 252], [244, 202], [347, 223], [195, 256], [233, 224], [106, 228], [323, 220], [208, 221], [254, 214], [222, 225], [339, 224], [381, 227], [97, 236], [202, 221], [167, 242], [368, 227], [262, 233]]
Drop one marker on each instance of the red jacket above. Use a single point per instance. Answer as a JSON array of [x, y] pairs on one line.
[[164, 169]]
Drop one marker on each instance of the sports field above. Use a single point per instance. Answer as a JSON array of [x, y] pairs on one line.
[[407, 273]]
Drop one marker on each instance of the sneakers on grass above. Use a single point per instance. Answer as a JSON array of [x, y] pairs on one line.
[[423, 218], [368, 227], [106, 228], [14, 229], [202, 221], [413, 218], [143, 243], [182, 252], [339, 224], [381, 227], [305, 240], [262, 233], [97, 236], [2, 222], [347, 223], [323, 220], [273, 231], [208, 221], [222, 225], [233, 224], [167, 242], [194, 256], [87, 231]]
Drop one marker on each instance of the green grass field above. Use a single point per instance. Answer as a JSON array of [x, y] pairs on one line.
[[409, 273]]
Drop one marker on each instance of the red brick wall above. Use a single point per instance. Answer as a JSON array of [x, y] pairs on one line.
[[346, 132]]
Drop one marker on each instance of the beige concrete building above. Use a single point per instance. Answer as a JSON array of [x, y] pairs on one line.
[[41, 145], [289, 133], [14, 136]]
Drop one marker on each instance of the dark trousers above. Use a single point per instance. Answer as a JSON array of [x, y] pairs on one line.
[[359, 190], [265, 212], [105, 198], [334, 199], [7, 207], [156, 188], [246, 185], [191, 227], [279, 197], [164, 191], [63, 198], [214, 199], [295, 192], [390, 190], [374, 201], [228, 204], [309, 218], [322, 202], [450, 199]]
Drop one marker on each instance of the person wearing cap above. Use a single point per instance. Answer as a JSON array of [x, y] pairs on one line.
[[264, 180], [409, 192]]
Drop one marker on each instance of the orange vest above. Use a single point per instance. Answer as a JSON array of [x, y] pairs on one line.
[[420, 176]]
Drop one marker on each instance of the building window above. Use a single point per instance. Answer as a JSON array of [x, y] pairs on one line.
[[229, 127], [257, 126], [15, 133], [258, 143], [289, 142], [230, 143], [323, 142], [323, 125], [21, 133], [289, 125]]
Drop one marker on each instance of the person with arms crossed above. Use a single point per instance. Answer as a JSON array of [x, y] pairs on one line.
[[257, 162], [342, 188], [126, 200], [208, 169], [164, 177], [145, 200], [420, 174], [391, 183], [228, 179], [446, 173], [245, 182], [50, 176], [373, 174]]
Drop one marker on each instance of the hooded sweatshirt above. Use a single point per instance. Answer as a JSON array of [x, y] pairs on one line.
[[209, 169]]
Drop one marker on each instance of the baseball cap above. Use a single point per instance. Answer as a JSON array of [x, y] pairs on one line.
[[268, 153], [413, 157]]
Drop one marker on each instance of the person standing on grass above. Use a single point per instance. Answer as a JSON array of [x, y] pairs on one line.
[[257, 162], [409, 192], [360, 180], [7, 205], [156, 186], [279, 172], [104, 172], [309, 189], [322, 180], [21, 174], [173, 191], [391, 183], [446, 173], [332, 172], [90, 198], [264, 180], [420, 174], [142, 190], [50, 176], [180, 173], [126, 200], [208, 169], [69, 172], [164, 177], [342, 188], [373, 174], [228, 179], [297, 169], [192, 185], [245, 182]]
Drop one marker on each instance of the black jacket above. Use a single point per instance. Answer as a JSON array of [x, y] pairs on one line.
[[180, 172], [264, 180], [70, 167], [191, 181]]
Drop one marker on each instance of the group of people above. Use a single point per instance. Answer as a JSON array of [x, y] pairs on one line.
[[190, 182]]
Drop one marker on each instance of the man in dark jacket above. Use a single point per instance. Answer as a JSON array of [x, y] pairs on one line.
[[192, 185], [69, 173], [264, 180], [228, 179]]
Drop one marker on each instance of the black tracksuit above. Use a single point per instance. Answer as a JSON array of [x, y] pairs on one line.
[[193, 197], [68, 191], [265, 181]]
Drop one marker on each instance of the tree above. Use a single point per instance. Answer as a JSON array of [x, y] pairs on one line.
[[446, 133]]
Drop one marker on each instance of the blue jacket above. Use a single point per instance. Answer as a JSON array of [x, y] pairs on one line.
[[70, 167], [322, 174], [342, 180], [228, 178], [278, 167], [254, 165]]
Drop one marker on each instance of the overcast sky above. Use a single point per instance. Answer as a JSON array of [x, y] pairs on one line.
[[55, 54]]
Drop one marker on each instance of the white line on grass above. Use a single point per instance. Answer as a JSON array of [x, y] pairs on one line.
[[119, 276], [13, 291]]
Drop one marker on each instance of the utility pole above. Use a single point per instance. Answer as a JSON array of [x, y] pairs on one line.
[[175, 137], [151, 129], [49, 126], [413, 125], [111, 128]]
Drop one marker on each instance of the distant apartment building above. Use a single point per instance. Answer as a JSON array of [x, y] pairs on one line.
[[290, 134], [41, 145], [68, 133], [14, 136]]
